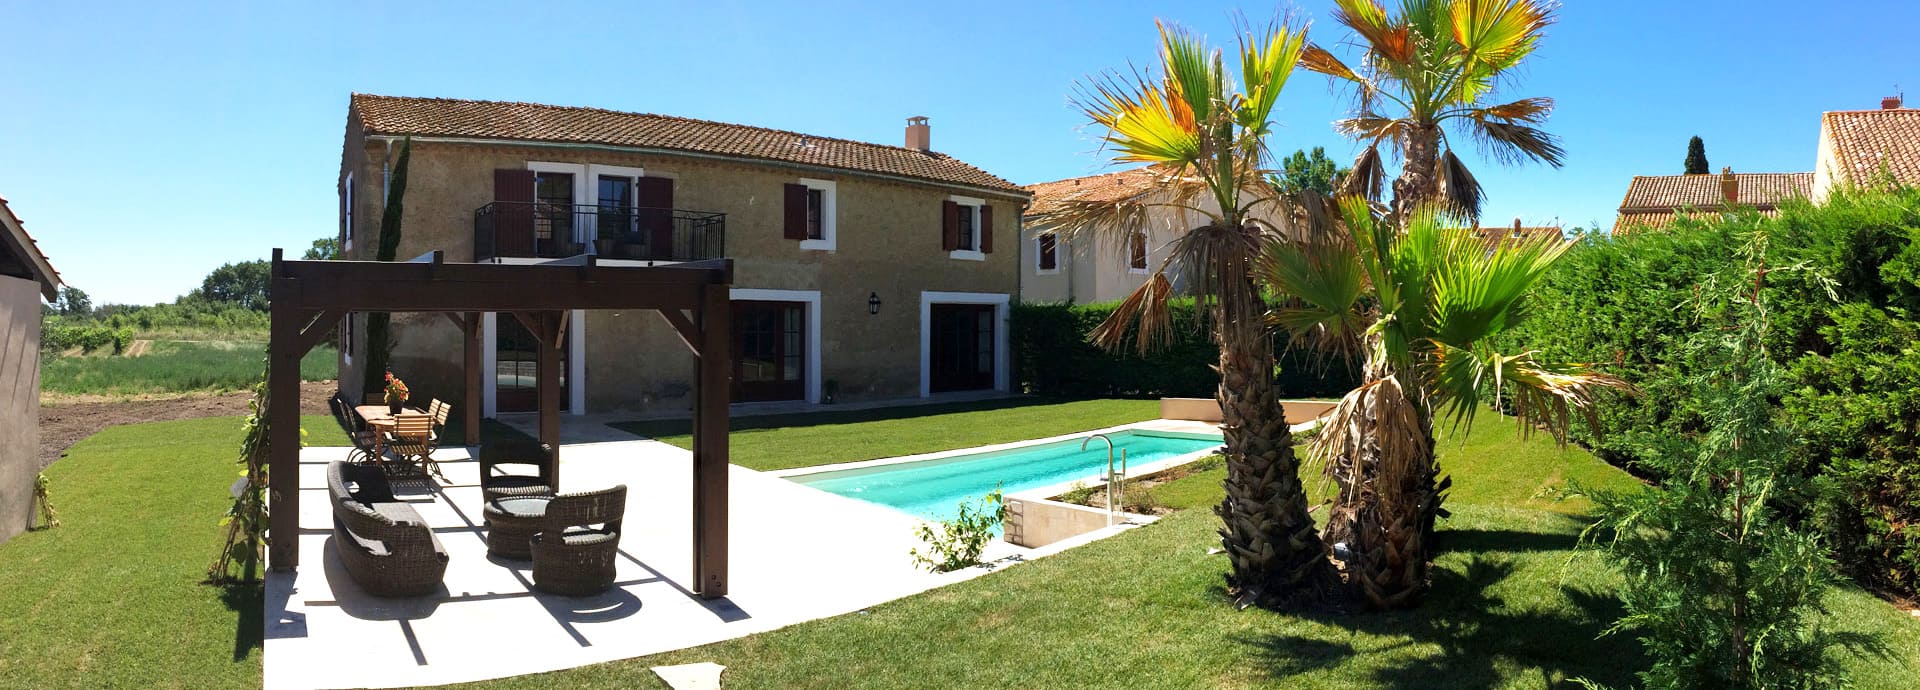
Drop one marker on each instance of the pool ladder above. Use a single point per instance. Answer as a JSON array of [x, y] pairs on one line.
[[1116, 483]]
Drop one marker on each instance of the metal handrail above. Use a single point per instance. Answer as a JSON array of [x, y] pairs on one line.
[[618, 232], [1116, 483]]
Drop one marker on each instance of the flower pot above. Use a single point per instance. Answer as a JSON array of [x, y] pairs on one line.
[[393, 407]]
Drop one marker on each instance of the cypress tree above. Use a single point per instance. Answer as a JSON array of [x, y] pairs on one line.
[[379, 347], [1697, 157]]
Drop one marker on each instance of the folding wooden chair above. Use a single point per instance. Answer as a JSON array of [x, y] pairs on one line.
[[412, 438]]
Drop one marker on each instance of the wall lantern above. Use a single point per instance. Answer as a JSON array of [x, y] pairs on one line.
[[873, 303]]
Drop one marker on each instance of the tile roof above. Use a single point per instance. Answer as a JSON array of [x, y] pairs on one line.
[[16, 228], [447, 117], [1629, 221], [1669, 192], [1048, 196], [1867, 141], [1502, 232]]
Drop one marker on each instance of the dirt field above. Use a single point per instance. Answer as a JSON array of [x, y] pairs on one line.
[[65, 422]]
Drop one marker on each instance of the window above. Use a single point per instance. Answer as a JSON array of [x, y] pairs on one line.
[[346, 337], [968, 216], [346, 217], [967, 228], [817, 217], [1137, 253], [1046, 253], [816, 208]]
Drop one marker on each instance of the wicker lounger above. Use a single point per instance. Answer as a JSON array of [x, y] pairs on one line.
[[388, 550]]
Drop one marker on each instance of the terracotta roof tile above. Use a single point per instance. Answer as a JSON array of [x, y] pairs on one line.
[[392, 115], [1865, 142], [1047, 196], [1669, 192], [1504, 232]]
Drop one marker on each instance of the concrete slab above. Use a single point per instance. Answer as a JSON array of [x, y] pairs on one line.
[[797, 554]]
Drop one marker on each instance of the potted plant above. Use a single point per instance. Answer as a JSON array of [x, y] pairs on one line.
[[396, 393]]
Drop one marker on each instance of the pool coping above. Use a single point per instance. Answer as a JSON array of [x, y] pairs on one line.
[[1163, 425]]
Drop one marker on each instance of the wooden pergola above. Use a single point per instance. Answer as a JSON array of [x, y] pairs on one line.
[[311, 297]]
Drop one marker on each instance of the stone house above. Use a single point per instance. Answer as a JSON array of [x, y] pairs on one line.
[[25, 278], [862, 271]]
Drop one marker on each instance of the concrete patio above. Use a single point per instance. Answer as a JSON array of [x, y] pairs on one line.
[[797, 554]]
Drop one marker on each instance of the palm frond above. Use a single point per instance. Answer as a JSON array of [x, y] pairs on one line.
[[1512, 142], [1143, 315], [1267, 59], [1459, 191], [1188, 66], [1368, 175], [1392, 40], [1377, 426], [1496, 34], [1545, 395], [1317, 59], [1478, 292]]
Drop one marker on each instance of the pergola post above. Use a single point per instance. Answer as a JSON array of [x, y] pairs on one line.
[[547, 383], [470, 337], [712, 393], [283, 420]]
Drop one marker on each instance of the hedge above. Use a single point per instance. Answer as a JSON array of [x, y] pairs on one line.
[[1844, 295], [1055, 358]]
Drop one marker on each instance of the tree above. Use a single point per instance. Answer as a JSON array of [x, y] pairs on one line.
[[73, 302], [1437, 63], [1303, 172], [1697, 157], [323, 249], [1420, 304], [1205, 143], [379, 339], [1722, 587], [244, 284]]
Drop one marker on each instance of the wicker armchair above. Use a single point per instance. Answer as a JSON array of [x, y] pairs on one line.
[[570, 555], [497, 456], [513, 520], [388, 550]]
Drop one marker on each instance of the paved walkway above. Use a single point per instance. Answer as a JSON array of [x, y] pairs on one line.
[[797, 554]]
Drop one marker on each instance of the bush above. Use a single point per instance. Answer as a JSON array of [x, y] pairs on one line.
[[1843, 325], [958, 542], [55, 337], [1054, 358]]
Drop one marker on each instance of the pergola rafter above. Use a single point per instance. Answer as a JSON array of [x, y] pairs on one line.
[[311, 297]]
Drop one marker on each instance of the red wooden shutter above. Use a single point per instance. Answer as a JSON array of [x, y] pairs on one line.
[[949, 226], [513, 214], [796, 219], [653, 197], [986, 229]]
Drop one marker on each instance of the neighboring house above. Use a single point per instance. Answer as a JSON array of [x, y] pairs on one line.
[[1093, 267], [1653, 201], [25, 278], [1518, 231], [1856, 148], [861, 271]]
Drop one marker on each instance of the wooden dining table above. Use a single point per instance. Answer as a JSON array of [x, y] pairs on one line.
[[380, 421]]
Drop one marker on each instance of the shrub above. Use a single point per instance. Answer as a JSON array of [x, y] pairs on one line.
[[1843, 325], [959, 542], [1055, 358], [1720, 586]]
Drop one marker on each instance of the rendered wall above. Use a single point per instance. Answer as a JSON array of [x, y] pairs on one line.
[[19, 402]]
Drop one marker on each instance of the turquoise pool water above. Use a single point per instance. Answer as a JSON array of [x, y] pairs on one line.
[[934, 488]]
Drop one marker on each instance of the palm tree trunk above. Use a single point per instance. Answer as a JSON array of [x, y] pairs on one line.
[[1419, 180], [1387, 496], [1278, 560]]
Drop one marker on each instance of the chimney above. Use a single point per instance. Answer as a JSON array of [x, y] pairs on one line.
[[1890, 103], [919, 135], [1729, 185], [1516, 227]]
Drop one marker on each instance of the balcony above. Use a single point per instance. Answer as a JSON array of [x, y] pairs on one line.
[[540, 230]]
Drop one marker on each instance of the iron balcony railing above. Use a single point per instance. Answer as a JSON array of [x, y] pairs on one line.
[[514, 229]]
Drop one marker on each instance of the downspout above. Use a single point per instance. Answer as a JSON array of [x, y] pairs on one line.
[[386, 173]]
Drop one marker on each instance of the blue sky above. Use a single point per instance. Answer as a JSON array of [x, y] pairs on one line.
[[146, 144]]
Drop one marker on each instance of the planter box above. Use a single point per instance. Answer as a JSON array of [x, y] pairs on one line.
[[1208, 409]]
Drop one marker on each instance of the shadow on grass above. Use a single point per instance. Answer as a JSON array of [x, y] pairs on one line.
[[681, 427], [1479, 639], [249, 632]]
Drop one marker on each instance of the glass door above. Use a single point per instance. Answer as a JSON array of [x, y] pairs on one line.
[[769, 351], [615, 215], [553, 233], [516, 371], [961, 347]]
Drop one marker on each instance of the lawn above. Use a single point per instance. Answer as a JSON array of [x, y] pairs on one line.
[[111, 597], [778, 442], [172, 366]]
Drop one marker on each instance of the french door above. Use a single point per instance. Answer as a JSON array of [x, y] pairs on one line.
[[769, 351], [516, 371], [961, 347]]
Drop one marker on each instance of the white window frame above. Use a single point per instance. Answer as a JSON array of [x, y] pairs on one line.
[[829, 215], [1146, 249], [1001, 361], [971, 205], [1059, 254], [346, 244], [812, 300], [576, 363], [346, 339], [592, 192]]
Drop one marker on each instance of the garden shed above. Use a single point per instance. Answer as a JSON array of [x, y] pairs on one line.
[[25, 278]]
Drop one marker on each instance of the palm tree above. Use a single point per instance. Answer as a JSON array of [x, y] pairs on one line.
[[1421, 303], [1204, 142], [1435, 64]]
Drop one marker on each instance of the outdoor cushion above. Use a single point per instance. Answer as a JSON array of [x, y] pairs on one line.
[[522, 506], [399, 513], [387, 549], [586, 537]]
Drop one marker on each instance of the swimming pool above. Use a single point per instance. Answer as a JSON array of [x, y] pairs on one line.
[[934, 488]]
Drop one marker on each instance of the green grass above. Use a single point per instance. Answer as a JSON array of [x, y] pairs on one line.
[[777, 442], [111, 598], [1513, 606], [172, 367]]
